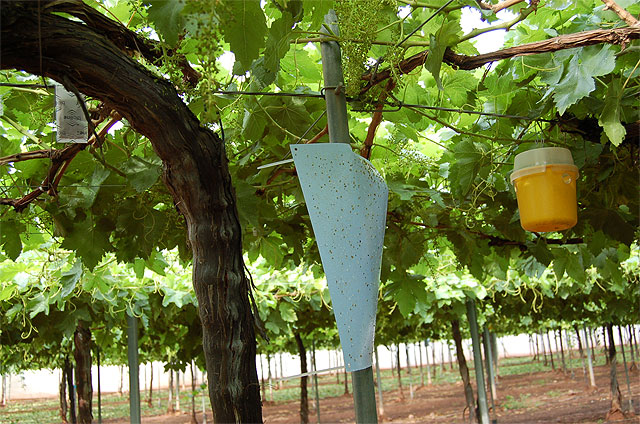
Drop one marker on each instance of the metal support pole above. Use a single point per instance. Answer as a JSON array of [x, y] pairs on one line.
[[379, 380], [477, 362], [99, 391], [315, 378], [134, 389], [364, 396], [592, 380], [488, 357], [338, 124], [489, 360], [626, 371], [334, 94]]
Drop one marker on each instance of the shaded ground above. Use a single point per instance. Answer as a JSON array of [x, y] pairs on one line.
[[533, 398]]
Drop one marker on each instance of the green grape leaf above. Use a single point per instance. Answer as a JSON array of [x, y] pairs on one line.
[[541, 251], [7, 292], [244, 29], [166, 15], [89, 243], [463, 171], [248, 203], [319, 8], [84, 195], [434, 59], [266, 67], [578, 81], [559, 266], [609, 119], [10, 240], [70, 278], [457, 86], [610, 223], [575, 268], [139, 267], [173, 296], [39, 303], [157, 263], [271, 251], [287, 312], [437, 46], [141, 173], [404, 190], [406, 301]]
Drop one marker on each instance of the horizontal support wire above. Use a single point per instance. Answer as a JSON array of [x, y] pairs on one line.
[[470, 112], [433, 15], [262, 93], [306, 374], [396, 105], [18, 85]]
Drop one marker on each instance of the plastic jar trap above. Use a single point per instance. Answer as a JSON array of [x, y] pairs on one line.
[[545, 183]]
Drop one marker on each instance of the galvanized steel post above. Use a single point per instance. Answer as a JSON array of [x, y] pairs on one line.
[[132, 352], [337, 121], [477, 362], [488, 356]]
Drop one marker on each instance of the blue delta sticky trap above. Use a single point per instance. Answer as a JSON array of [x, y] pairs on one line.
[[347, 202]]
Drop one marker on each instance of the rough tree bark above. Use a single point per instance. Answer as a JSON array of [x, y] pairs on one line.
[[559, 337], [3, 397], [150, 398], [544, 351], [399, 368], [170, 407], [553, 365], [121, 367], [433, 360], [304, 394], [584, 368], [615, 412], [195, 172], [464, 371], [633, 366], [194, 420], [63, 396], [263, 386], [68, 371], [82, 355]]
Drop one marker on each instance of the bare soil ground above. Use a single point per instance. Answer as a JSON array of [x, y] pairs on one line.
[[534, 398]]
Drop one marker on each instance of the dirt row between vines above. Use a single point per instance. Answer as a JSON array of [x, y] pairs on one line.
[[534, 398]]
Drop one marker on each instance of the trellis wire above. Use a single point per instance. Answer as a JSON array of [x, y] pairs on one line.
[[17, 85], [349, 99], [398, 104], [433, 15], [306, 374]]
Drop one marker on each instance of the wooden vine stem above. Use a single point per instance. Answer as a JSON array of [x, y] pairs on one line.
[[620, 36]]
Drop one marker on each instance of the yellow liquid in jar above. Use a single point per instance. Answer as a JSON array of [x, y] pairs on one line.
[[547, 200]]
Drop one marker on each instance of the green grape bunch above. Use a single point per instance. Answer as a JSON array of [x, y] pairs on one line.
[[358, 21]]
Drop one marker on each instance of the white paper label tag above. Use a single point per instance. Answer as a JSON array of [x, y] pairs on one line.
[[70, 120]]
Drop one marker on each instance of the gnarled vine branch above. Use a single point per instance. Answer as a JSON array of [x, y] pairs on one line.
[[619, 36]]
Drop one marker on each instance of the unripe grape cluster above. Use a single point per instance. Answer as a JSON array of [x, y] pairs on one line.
[[358, 21]]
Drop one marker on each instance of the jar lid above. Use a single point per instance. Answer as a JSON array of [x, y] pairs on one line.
[[543, 156]]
